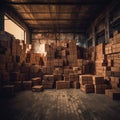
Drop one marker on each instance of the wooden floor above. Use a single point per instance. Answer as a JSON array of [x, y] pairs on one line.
[[68, 104]]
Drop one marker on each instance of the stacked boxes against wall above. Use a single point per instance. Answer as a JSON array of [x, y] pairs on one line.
[[74, 80], [58, 73], [72, 57], [62, 84], [101, 61], [99, 84], [91, 53], [12, 54], [48, 81], [112, 51], [86, 83]]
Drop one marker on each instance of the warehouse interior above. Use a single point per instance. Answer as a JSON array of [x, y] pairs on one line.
[[59, 59]]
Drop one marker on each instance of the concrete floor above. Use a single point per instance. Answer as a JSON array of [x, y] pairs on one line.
[[71, 104]]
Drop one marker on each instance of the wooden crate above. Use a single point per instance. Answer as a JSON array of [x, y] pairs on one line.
[[62, 84], [86, 79], [113, 93], [87, 88], [98, 80], [36, 81], [47, 84], [8, 90], [27, 85], [37, 88]]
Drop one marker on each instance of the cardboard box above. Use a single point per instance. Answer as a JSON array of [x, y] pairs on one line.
[[115, 81], [62, 84], [18, 85], [27, 85], [87, 88], [9, 67], [113, 93], [15, 76], [47, 84], [58, 77], [48, 78], [8, 90], [5, 76], [98, 80], [86, 79], [2, 67], [100, 89], [37, 88], [73, 77], [36, 81]]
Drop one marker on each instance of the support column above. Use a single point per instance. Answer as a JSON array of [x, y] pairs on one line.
[[107, 28], [1, 20], [93, 35]]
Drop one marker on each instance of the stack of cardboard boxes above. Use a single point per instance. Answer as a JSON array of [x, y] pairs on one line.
[[59, 64], [86, 83], [101, 61], [99, 85], [112, 50]]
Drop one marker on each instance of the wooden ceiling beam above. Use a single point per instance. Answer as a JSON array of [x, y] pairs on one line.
[[56, 3], [33, 12], [57, 19]]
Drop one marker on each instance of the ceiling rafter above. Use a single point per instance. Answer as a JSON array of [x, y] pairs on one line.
[[55, 3]]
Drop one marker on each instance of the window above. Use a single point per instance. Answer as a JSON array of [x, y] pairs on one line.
[[13, 28]]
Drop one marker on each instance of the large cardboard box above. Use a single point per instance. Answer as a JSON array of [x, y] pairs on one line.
[[98, 80], [86, 79], [100, 89], [27, 85], [47, 84], [62, 84], [36, 81], [73, 77], [8, 90], [37, 88], [58, 77], [15, 76], [48, 78], [87, 88], [113, 93]]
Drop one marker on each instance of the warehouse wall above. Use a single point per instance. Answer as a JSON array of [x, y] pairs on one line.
[[101, 29], [1, 20], [52, 37]]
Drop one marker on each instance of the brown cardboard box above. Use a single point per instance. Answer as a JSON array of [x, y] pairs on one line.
[[73, 77], [15, 76], [47, 84], [115, 81], [113, 93], [87, 88], [9, 67], [86, 79], [62, 84], [58, 70], [36, 81], [48, 78], [18, 85], [37, 88], [3, 67], [8, 90], [100, 89], [6, 76], [27, 85], [98, 80], [57, 77]]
